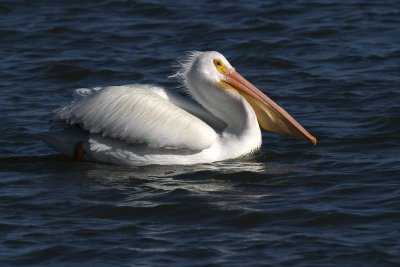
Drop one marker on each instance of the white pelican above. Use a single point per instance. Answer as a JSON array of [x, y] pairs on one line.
[[145, 124]]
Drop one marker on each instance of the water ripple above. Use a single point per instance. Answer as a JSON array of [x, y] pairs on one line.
[[333, 65]]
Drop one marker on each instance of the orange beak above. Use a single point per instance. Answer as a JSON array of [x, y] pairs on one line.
[[270, 116]]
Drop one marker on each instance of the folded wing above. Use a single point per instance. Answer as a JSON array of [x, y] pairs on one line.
[[137, 114]]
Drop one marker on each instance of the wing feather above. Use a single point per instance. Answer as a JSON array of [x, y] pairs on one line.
[[137, 114]]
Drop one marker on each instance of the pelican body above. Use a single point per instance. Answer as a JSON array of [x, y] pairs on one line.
[[146, 124]]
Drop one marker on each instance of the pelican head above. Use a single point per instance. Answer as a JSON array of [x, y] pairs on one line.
[[209, 77]]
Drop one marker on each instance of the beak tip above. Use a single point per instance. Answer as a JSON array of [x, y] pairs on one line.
[[313, 140]]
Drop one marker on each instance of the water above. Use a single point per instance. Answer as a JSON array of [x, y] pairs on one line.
[[333, 65]]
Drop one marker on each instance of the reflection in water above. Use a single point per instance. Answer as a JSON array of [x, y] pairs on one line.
[[218, 183]]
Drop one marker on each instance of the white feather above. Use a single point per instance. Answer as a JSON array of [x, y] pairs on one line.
[[137, 114]]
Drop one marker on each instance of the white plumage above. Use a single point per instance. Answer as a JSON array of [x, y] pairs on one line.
[[123, 112], [145, 124]]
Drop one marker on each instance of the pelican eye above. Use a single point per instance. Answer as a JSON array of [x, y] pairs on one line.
[[220, 66]]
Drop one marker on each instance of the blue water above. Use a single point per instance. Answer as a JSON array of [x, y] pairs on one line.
[[333, 65]]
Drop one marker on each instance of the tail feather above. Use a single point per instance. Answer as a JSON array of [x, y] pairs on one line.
[[63, 141]]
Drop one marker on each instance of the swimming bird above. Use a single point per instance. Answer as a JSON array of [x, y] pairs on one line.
[[140, 124]]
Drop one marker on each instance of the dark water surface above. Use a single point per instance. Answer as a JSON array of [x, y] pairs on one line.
[[334, 65]]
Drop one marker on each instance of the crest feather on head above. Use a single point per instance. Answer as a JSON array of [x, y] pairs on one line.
[[184, 64]]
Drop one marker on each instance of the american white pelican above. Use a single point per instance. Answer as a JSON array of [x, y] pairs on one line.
[[145, 124]]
